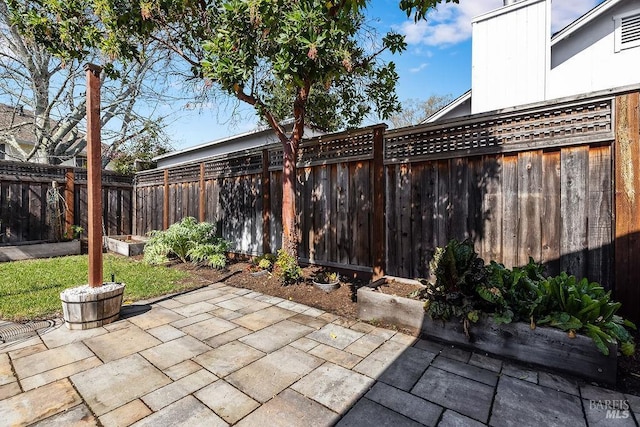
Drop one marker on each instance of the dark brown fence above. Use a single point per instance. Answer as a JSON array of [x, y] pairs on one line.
[[557, 182], [31, 211]]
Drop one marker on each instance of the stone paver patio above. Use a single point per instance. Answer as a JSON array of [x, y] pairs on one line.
[[223, 356]]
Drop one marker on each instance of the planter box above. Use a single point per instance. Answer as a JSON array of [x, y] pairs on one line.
[[126, 245], [39, 250], [548, 347], [87, 308]]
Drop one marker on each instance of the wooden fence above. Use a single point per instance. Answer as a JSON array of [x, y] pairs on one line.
[[31, 211], [555, 182]]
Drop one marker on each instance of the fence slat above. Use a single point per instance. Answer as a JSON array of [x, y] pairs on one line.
[[550, 254]]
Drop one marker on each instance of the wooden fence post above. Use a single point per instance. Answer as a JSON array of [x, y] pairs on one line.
[[69, 198], [266, 203], [202, 204], [627, 204], [378, 238], [165, 201]]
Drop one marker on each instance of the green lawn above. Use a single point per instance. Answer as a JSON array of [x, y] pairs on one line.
[[31, 289]]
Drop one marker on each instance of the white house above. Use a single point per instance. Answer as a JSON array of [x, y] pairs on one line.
[[261, 137], [516, 60]]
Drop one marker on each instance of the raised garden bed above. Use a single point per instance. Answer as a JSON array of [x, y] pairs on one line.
[[39, 250], [126, 245], [548, 347]]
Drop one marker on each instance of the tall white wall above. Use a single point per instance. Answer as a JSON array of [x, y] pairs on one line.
[[511, 55], [586, 61]]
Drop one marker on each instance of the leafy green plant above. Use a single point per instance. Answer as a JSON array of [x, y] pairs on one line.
[[73, 232], [187, 240], [326, 277], [288, 268], [264, 262]]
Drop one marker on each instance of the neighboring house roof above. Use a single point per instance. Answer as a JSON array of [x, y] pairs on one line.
[[459, 101], [15, 116], [584, 20]]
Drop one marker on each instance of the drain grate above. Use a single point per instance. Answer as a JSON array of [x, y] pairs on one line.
[[16, 331]]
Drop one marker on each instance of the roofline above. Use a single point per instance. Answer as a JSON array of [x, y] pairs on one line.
[[261, 129], [503, 9], [447, 108], [579, 23]]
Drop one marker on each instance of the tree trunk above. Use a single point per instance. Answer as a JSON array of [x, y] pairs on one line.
[[289, 223]]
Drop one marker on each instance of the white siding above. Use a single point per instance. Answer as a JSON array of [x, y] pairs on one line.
[[587, 61], [510, 55]]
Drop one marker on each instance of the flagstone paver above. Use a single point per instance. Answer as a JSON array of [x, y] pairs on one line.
[[187, 412], [62, 335], [121, 343], [364, 345], [290, 408], [227, 401], [228, 358], [155, 317], [332, 354], [195, 308], [55, 374], [8, 390], [78, 416], [271, 374], [544, 405], [208, 328], [38, 363], [365, 410], [468, 397], [175, 351], [226, 337], [27, 351], [191, 320], [176, 390], [181, 369], [263, 318], [485, 362], [405, 403], [335, 387], [113, 384], [453, 419], [335, 335], [126, 414], [6, 373], [276, 336], [37, 404], [166, 332], [468, 371]]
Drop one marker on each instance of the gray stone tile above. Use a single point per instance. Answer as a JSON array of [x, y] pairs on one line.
[[365, 328], [9, 389], [6, 372], [520, 372], [166, 332], [468, 371], [271, 374], [228, 358], [78, 416], [155, 317], [454, 419], [383, 333], [558, 383], [38, 363], [16, 345], [169, 303], [305, 344], [407, 368], [407, 404], [61, 335], [176, 390], [313, 322], [634, 401], [485, 361], [290, 408], [601, 413], [344, 322], [335, 336], [364, 345], [240, 291], [430, 346], [208, 328], [544, 406], [64, 371], [239, 303], [333, 355], [28, 408], [335, 387], [194, 309], [591, 392], [263, 318], [121, 343], [253, 294], [404, 338], [187, 412], [293, 306], [181, 369], [228, 402], [313, 312], [191, 320], [176, 351], [225, 314], [27, 351], [328, 317], [276, 336], [125, 415], [456, 353], [199, 295], [365, 411], [227, 337], [452, 391], [131, 376], [380, 359], [269, 299]]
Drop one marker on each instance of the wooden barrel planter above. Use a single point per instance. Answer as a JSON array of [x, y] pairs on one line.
[[85, 307]]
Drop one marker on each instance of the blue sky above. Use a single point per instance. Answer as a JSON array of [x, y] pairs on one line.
[[437, 61]]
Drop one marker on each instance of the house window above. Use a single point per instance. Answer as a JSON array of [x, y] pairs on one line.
[[2, 152], [627, 30], [81, 162]]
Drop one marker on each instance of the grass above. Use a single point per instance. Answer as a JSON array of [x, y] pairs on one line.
[[31, 289]]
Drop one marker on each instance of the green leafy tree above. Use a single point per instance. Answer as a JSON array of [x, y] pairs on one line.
[[308, 60]]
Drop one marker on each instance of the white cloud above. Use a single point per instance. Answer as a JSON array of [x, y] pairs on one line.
[[418, 68], [450, 23]]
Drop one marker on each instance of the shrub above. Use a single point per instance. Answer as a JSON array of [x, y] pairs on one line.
[[288, 268], [187, 240]]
